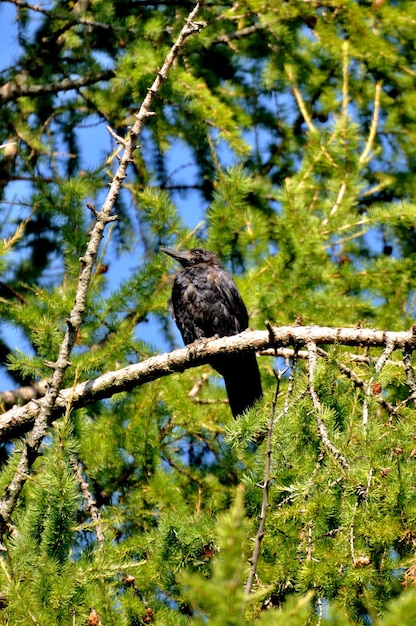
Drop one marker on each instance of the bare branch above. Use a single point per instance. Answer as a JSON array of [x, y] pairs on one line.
[[365, 156], [300, 101], [337, 204], [71, 18], [289, 353], [27, 393], [266, 486]]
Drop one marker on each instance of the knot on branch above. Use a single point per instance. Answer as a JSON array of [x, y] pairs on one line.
[[194, 27]]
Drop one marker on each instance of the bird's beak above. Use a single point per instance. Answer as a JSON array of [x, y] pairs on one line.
[[178, 255]]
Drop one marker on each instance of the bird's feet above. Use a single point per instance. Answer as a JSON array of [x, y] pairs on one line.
[[199, 344]]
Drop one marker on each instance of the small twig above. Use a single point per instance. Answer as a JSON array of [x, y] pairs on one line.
[[310, 541], [320, 607], [270, 330], [227, 38], [89, 500], [300, 101], [323, 433], [307, 117], [337, 204], [193, 394], [119, 140], [411, 380], [362, 495], [288, 353], [16, 89], [381, 361], [369, 479], [289, 405], [352, 536], [266, 485], [291, 382], [402, 404], [92, 209], [345, 87], [365, 155]]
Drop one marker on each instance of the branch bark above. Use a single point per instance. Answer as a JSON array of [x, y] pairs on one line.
[[19, 420]]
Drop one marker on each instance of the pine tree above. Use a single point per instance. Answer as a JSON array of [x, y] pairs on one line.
[[133, 497]]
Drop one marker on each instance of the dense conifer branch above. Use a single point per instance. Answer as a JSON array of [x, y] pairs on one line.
[[358, 382]]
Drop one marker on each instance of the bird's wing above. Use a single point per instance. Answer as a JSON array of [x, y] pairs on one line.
[[206, 302], [228, 300]]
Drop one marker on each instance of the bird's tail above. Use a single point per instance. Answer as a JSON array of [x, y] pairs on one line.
[[242, 380]]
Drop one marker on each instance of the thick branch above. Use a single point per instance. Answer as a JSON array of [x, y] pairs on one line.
[[22, 395], [19, 420]]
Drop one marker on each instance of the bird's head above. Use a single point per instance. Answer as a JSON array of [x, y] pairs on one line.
[[194, 256]]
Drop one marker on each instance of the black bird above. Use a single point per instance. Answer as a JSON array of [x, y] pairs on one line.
[[206, 302]]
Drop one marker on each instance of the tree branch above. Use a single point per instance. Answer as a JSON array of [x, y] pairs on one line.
[[90, 503], [46, 406], [20, 395], [14, 89], [19, 420], [68, 17], [322, 431], [265, 487]]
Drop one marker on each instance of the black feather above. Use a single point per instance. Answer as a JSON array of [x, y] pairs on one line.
[[207, 303]]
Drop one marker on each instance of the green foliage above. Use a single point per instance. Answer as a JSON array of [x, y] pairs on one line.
[[220, 600], [284, 141]]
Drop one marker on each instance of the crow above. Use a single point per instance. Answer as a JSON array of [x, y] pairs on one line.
[[206, 303]]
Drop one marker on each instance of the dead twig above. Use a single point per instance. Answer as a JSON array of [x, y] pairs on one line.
[[265, 487]]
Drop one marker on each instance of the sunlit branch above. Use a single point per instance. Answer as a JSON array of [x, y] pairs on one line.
[[19, 420]]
